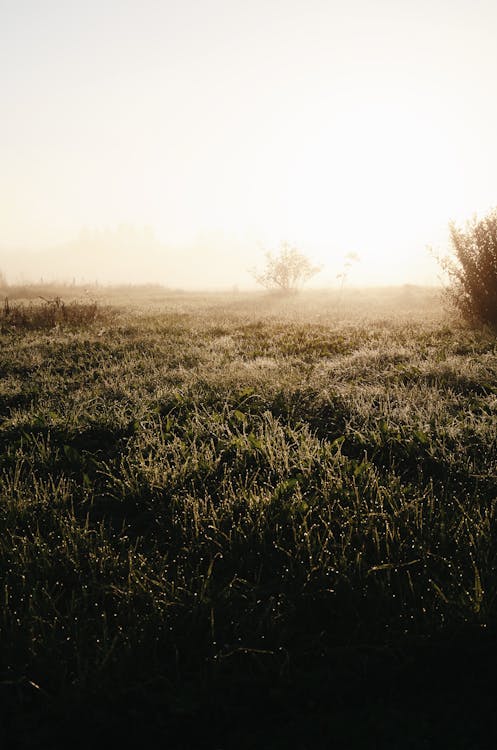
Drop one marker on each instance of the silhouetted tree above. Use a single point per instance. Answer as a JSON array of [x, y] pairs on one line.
[[287, 271]]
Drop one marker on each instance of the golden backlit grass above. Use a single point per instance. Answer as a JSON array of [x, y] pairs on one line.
[[241, 506]]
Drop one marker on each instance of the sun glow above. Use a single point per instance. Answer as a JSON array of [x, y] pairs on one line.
[[338, 129]]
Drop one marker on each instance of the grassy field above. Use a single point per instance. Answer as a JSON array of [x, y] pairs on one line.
[[247, 521]]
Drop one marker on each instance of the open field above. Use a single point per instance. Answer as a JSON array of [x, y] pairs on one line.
[[247, 521]]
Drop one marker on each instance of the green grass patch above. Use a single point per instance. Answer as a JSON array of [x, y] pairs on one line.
[[206, 514]]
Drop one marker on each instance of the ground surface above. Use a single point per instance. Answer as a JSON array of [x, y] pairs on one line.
[[248, 522]]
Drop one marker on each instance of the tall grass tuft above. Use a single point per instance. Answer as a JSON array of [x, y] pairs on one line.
[[50, 313]]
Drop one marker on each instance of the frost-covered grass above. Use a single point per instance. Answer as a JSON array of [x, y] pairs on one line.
[[249, 521]]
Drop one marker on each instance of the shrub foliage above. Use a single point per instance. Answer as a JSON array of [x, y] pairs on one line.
[[474, 270]]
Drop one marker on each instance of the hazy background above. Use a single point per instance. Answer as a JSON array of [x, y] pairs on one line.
[[175, 141]]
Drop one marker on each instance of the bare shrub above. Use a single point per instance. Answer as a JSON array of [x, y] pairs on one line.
[[286, 271]]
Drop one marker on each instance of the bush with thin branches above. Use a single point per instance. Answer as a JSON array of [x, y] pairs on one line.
[[287, 271], [473, 269]]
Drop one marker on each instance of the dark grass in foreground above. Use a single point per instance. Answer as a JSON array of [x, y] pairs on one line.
[[249, 522]]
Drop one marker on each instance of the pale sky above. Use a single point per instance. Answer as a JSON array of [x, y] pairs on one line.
[[340, 126]]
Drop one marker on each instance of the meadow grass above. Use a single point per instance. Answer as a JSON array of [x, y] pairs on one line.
[[248, 520]]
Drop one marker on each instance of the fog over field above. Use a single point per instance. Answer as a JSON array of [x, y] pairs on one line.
[[128, 255], [226, 128], [211, 261]]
